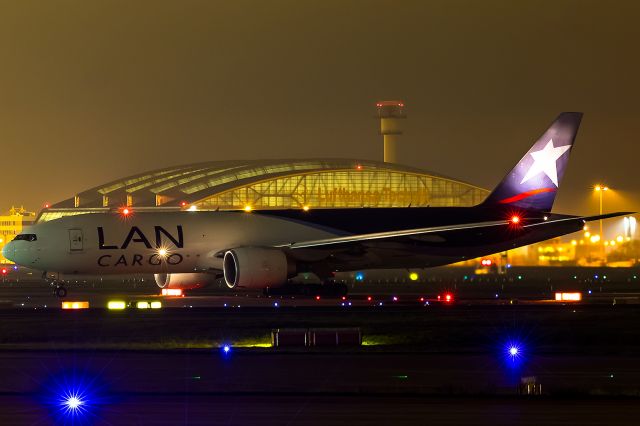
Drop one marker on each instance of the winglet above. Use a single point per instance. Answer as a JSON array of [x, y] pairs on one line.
[[532, 184]]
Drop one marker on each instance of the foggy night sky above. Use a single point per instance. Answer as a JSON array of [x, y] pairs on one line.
[[94, 91]]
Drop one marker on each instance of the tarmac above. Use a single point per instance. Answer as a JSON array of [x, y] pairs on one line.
[[425, 361]]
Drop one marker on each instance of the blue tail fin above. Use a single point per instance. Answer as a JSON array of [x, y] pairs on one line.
[[532, 184]]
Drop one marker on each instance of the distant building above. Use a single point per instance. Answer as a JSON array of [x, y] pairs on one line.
[[12, 224], [273, 184]]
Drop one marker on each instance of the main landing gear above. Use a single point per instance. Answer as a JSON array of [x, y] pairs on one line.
[[58, 286]]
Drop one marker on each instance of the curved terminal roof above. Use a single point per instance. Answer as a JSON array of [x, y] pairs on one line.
[[277, 184]]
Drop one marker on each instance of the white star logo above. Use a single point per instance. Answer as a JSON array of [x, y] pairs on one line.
[[545, 162]]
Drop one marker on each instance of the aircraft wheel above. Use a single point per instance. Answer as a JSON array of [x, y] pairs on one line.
[[61, 292]]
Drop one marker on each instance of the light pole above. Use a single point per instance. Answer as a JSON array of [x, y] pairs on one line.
[[600, 189]]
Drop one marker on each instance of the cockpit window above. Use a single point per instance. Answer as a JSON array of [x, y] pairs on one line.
[[25, 237]]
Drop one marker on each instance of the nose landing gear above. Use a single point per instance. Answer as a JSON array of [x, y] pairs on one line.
[[58, 287], [60, 291]]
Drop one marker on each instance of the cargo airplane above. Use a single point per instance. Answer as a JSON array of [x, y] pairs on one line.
[[264, 249]]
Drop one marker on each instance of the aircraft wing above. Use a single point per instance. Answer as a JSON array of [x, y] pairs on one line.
[[468, 231]]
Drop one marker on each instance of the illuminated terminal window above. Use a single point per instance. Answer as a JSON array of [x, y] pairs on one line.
[[347, 189]]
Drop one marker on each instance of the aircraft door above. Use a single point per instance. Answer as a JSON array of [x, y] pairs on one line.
[[75, 240]]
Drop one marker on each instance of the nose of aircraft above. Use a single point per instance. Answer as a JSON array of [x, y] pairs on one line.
[[9, 251]]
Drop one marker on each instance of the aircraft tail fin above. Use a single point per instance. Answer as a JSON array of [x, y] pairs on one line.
[[532, 184]]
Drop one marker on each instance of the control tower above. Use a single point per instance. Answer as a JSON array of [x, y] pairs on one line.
[[391, 114]]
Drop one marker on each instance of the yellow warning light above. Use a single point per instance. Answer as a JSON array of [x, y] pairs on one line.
[[75, 305], [414, 276], [116, 305], [569, 297]]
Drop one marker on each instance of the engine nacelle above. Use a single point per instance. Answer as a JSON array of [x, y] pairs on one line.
[[256, 267], [186, 281]]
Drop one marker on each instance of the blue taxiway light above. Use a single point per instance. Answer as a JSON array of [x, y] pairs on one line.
[[513, 351], [72, 403], [226, 349]]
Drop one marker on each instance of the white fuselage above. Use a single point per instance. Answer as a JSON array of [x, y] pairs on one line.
[[159, 242]]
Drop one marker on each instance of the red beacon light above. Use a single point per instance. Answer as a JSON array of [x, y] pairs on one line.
[[4, 271], [515, 219], [125, 211], [448, 298], [486, 262]]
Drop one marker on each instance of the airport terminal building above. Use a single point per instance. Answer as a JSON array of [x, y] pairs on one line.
[[273, 184]]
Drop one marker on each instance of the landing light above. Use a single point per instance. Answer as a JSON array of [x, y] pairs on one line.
[[162, 252], [247, 208], [305, 208]]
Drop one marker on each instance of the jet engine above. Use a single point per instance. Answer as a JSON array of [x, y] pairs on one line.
[[256, 267], [186, 281]]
